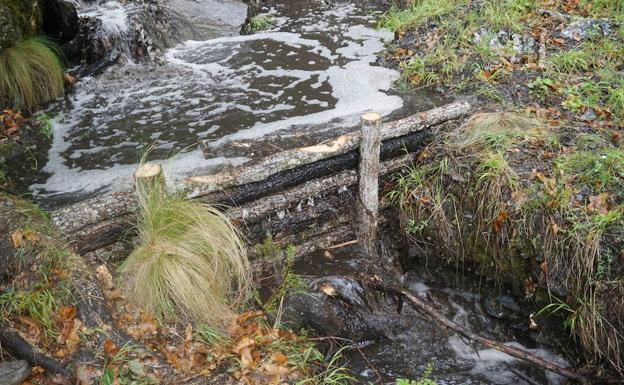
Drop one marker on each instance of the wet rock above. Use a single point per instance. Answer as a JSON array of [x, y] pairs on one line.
[[9, 33], [585, 28], [18, 19], [344, 288], [14, 373], [213, 18], [501, 307], [60, 20], [326, 315], [521, 45]]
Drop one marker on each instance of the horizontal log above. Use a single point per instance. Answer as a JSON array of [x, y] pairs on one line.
[[290, 159], [102, 220]]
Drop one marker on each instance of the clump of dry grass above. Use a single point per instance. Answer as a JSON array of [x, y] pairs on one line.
[[191, 263]]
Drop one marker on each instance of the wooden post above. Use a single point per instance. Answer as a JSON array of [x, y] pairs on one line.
[[149, 178], [368, 191]]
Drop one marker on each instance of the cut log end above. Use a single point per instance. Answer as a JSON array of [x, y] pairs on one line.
[[371, 118], [148, 171]]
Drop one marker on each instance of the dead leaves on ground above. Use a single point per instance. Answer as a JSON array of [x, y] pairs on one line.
[[10, 123]]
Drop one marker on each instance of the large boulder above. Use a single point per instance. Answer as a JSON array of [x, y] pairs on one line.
[[18, 18], [60, 20]]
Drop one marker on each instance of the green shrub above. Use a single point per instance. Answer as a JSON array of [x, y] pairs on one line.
[[30, 74]]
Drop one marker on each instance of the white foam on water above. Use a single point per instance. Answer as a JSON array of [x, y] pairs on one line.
[[113, 15], [203, 81], [494, 365]]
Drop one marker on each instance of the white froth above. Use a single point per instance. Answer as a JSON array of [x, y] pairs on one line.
[[198, 85]]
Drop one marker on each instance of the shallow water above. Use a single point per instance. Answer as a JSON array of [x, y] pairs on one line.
[[313, 72], [409, 342]]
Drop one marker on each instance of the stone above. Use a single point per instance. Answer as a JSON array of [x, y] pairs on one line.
[[60, 20], [585, 28], [14, 372], [9, 31], [213, 18]]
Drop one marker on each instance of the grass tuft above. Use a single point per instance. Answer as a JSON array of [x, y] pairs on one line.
[[191, 263], [30, 74], [260, 22]]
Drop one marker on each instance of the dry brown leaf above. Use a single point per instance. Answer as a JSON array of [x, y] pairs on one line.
[[17, 237], [497, 225], [279, 357], [105, 277], [599, 203], [110, 348], [87, 375], [328, 289]]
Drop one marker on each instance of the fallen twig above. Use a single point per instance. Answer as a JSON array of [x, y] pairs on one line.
[[341, 245], [514, 352]]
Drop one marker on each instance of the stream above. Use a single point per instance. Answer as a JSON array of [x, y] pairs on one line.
[[312, 74], [395, 344]]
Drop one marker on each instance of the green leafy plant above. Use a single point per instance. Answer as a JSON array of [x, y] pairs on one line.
[[260, 22], [45, 125], [424, 380], [30, 74], [190, 264]]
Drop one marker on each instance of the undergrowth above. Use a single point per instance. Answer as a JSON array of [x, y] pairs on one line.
[[502, 190], [468, 46], [30, 74]]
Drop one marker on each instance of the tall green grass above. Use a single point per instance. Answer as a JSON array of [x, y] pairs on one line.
[[30, 74], [190, 264]]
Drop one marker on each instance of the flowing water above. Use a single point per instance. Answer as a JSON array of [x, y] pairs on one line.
[[402, 344], [313, 72]]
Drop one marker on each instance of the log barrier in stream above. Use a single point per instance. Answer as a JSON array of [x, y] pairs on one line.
[[283, 194]]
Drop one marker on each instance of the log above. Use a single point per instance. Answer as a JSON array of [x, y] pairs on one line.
[[116, 224], [368, 189], [149, 178], [290, 159], [19, 348]]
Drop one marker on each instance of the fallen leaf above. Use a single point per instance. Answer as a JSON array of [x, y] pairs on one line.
[[328, 289], [110, 348], [17, 237], [497, 225], [87, 375], [279, 358], [105, 277], [599, 203]]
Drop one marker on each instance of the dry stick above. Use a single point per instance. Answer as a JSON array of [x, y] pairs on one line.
[[514, 352], [368, 190]]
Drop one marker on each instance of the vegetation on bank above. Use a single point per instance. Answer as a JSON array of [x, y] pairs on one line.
[[493, 49], [30, 74], [534, 203], [260, 22]]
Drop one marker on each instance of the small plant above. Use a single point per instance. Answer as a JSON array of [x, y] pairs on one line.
[[282, 261], [260, 22], [424, 380], [45, 125], [334, 374], [38, 303], [190, 264], [122, 370], [30, 74]]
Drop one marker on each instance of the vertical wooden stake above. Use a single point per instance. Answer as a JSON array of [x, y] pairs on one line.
[[368, 191]]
